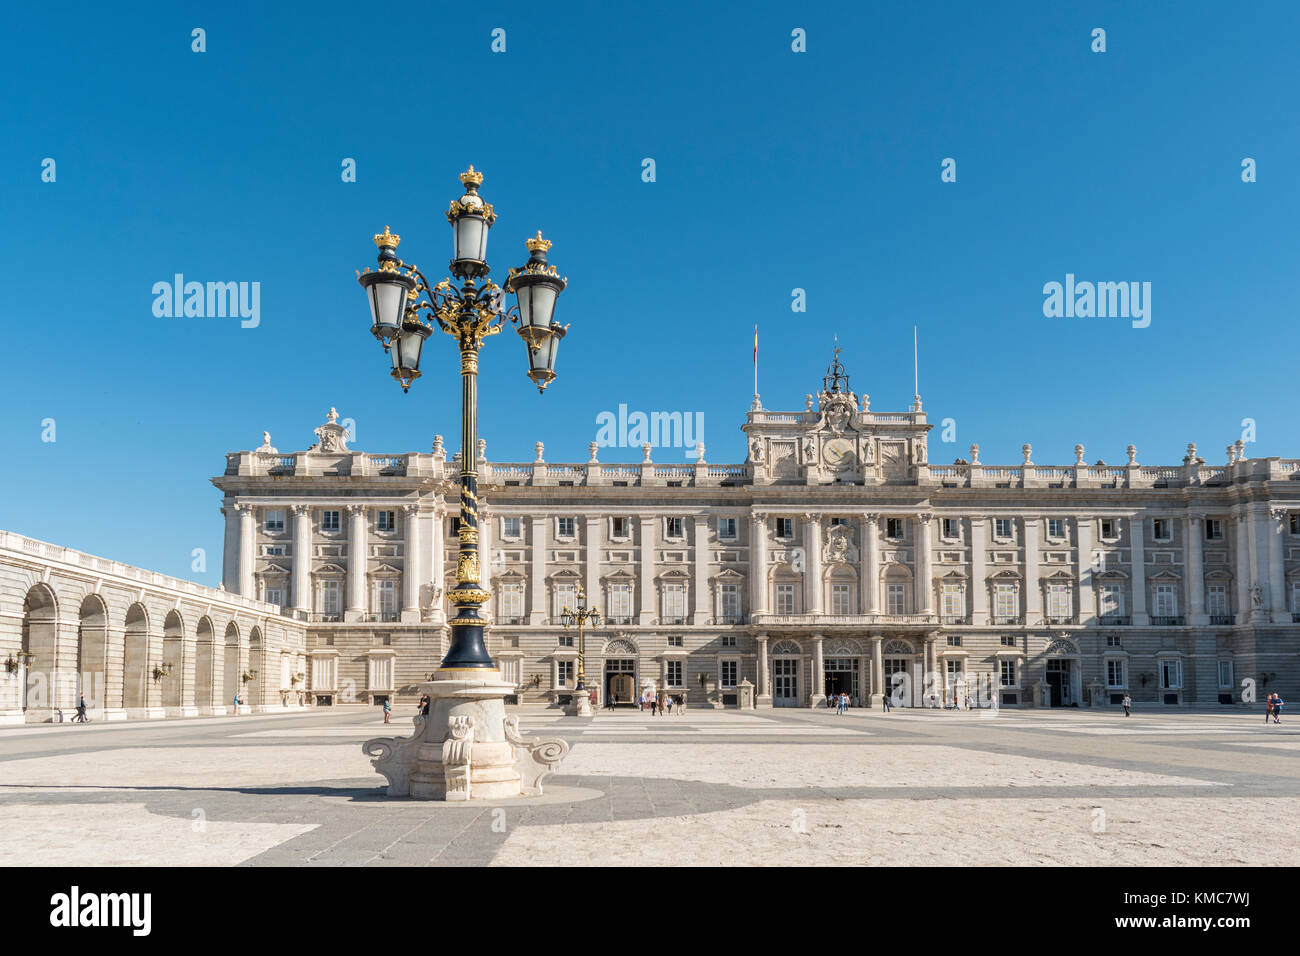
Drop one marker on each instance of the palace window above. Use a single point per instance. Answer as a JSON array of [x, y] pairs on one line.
[[329, 521], [673, 673], [954, 640], [840, 599], [510, 603], [1295, 522], [726, 527], [951, 528], [953, 601], [565, 639], [1006, 602], [1058, 603], [729, 603], [386, 520], [1213, 529], [1112, 641], [785, 527], [730, 670], [566, 595], [1112, 601], [785, 599], [511, 527], [275, 550], [1161, 529], [728, 640], [1109, 530], [674, 603], [564, 527], [1007, 673], [673, 527], [275, 596], [274, 521], [1116, 673], [564, 673], [894, 528], [1056, 527], [620, 603], [1225, 673], [675, 640], [620, 527], [896, 599], [1171, 674], [455, 527], [953, 672], [1216, 600], [1002, 528], [1166, 603], [386, 598], [329, 598], [1008, 640]]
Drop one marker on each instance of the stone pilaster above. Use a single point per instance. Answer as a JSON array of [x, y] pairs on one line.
[[978, 570], [1276, 523], [411, 571], [247, 550], [646, 572], [355, 607], [1242, 570], [537, 573], [1193, 532], [869, 586], [302, 555], [700, 615], [758, 562], [1137, 550], [592, 562], [1087, 589], [1033, 588], [925, 563], [812, 538], [817, 697]]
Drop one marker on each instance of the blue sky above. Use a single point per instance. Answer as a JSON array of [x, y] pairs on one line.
[[775, 170]]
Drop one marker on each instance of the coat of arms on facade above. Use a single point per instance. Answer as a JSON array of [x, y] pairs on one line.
[[333, 436], [839, 547]]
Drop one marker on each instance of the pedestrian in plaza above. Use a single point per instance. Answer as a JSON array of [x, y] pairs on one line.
[[968, 701], [1128, 704], [388, 711], [839, 705], [1268, 708], [1278, 703], [886, 702], [81, 717], [681, 704], [669, 702]]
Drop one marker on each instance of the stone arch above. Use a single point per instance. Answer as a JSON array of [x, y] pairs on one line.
[[92, 677], [898, 648], [1062, 647], [621, 647], [231, 672], [843, 647], [256, 669], [174, 659], [785, 646], [135, 661], [38, 689], [206, 662]]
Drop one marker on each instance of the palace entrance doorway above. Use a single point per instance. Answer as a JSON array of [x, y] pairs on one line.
[[785, 682], [1059, 682], [842, 678], [620, 682]]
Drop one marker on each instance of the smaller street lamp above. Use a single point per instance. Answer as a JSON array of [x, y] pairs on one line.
[[578, 617]]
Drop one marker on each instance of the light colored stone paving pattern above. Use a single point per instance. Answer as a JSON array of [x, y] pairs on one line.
[[129, 835], [1013, 832], [819, 765]]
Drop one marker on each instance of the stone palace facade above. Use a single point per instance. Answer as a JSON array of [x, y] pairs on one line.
[[838, 557]]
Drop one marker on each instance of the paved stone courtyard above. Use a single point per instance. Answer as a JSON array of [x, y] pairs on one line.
[[708, 787]]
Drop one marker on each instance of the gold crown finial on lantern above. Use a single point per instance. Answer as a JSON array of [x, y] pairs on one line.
[[387, 239], [471, 177], [537, 243]]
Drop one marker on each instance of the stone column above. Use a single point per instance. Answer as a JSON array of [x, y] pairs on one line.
[[1087, 589], [537, 573], [701, 584], [1276, 523], [485, 551], [230, 551], [870, 584], [438, 562], [978, 573], [1193, 530], [764, 693], [931, 680], [247, 550], [591, 562], [878, 688], [1137, 549], [1259, 555], [646, 574], [355, 607], [411, 566], [758, 562], [302, 557], [1033, 590], [1242, 569], [812, 540], [817, 696], [924, 559]]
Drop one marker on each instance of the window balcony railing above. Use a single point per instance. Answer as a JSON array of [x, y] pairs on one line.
[[512, 619], [1060, 619], [1006, 619], [622, 619], [325, 617], [383, 617], [1167, 620], [954, 619], [728, 619], [673, 620], [1223, 619], [1116, 620]]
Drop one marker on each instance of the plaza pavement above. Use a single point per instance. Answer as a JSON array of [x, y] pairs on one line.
[[710, 787]]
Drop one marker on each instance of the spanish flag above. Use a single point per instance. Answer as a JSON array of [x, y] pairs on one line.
[[756, 345]]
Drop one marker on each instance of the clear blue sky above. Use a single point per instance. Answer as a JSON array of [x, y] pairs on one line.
[[775, 170]]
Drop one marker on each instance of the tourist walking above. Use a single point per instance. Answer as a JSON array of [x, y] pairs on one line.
[[839, 705], [81, 717], [1268, 708], [669, 702], [1278, 703], [886, 702], [388, 711], [1127, 704]]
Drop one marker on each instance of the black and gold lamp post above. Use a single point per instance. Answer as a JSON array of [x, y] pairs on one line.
[[578, 617], [399, 294]]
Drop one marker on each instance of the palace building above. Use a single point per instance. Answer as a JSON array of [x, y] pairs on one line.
[[837, 558]]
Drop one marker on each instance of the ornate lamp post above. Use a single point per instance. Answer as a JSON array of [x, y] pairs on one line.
[[399, 293], [579, 616], [466, 748]]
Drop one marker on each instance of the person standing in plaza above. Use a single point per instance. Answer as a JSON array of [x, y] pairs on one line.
[[669, 702], [1127, 704], [388, 711], [1268, 708], [1278, 703], [885, 702]]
